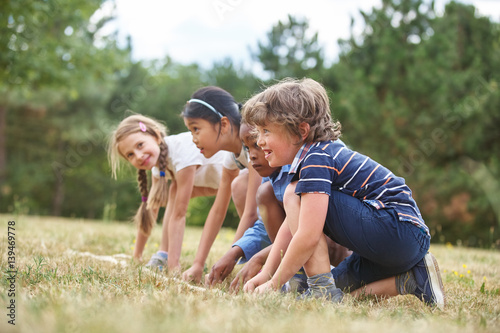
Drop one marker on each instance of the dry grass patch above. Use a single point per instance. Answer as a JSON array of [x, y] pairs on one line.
[[60, 289]]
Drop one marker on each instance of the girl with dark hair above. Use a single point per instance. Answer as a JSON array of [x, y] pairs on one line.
[[213, 117]]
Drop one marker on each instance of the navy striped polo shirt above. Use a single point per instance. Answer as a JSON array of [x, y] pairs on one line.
[[328, 166]]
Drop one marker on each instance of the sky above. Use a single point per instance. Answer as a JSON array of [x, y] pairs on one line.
[[206, 31]]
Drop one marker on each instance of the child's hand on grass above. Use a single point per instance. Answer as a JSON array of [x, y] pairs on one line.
[[250, 270], [265, 288], [255, 282], [193, 274], [224, 266]]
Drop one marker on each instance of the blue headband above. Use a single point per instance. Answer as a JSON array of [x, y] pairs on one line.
[[207, 105]]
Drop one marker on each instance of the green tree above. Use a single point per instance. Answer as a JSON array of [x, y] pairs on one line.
[[241, 83], [53, 83], [290, 50], [423, 88]]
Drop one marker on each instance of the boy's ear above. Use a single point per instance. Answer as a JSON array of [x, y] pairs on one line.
[[304, 129]]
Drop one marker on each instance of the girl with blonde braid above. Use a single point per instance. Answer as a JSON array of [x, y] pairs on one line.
[[143, 142]]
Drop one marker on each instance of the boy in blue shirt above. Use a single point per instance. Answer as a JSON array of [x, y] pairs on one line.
[[256, 239], [354, 200]]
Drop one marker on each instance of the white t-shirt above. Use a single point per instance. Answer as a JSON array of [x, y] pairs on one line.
[[232, 162], [182, 152]]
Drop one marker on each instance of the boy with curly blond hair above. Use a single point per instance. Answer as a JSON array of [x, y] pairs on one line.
[[346, 195]]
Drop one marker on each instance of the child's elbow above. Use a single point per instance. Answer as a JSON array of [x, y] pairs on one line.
[[309, 238]]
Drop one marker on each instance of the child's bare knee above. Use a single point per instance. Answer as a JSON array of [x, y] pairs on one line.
[[239, 185], [265, 194]]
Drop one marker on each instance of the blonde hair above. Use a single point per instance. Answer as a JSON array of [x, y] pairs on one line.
[[290, 103], [158, 195]]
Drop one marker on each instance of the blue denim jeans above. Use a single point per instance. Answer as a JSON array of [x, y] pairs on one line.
[[382, 245]]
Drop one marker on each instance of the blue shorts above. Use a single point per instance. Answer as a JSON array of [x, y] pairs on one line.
[[382, 245], [253, 240]]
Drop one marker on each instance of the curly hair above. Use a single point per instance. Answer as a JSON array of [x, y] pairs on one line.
[[290, 103]]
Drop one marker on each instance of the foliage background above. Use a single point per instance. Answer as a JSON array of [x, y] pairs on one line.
[[415, 91]]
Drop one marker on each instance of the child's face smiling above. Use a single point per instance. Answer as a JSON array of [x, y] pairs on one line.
[[204, 135], [257, 157], [140, 149], [278, 146]]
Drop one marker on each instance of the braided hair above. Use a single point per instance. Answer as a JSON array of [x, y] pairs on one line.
[[157, 196], [144, 218]]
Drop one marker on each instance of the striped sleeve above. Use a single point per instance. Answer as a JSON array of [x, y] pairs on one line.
[[316, 173]]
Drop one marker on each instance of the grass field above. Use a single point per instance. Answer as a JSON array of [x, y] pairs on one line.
[[69, 279]]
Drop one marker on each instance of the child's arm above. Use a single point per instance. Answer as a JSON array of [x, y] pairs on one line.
[[308, 246], [253, 240], [224, 266], [279, 247], [141, 239], [140, 243], [251, 268], [249, 215], [212, 226], [179, 198]]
